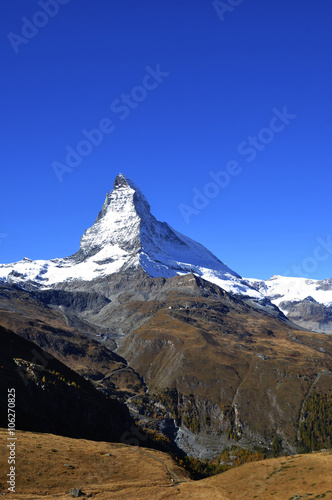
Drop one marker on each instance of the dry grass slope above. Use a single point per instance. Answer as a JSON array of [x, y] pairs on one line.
[[48, 466]]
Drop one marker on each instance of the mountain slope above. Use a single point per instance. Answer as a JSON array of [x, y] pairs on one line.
[[50, 397], [226, 369], [72, 340]]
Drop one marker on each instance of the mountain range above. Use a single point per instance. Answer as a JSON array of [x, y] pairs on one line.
[[153, 319], [126, 236]]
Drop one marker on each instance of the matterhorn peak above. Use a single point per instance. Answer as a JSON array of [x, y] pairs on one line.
[[125, 196], [126, 236], [119, 221]]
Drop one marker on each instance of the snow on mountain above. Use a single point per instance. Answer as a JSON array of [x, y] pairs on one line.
[[127, 236], [281, 289]]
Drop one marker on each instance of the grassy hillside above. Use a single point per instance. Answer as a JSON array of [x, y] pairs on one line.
[[49, 466]]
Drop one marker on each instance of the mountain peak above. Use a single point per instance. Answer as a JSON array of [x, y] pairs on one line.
[[122, 181], [118, 223], [126, 236]]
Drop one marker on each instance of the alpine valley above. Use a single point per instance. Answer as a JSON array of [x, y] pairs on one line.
[[186, 351]]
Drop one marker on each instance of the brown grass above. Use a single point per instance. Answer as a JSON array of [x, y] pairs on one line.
[[107, 471]]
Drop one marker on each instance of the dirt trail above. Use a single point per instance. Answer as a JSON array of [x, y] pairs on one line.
[[173, 474]]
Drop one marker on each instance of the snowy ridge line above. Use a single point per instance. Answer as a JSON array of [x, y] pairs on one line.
[[286, 289]]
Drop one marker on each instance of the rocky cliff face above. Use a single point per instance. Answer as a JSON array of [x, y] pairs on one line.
[[309, 314]]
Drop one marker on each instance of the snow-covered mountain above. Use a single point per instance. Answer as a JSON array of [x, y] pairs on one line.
[[280, 289], [127, 236], [307, 302]]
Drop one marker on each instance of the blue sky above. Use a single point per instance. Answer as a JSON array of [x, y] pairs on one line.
[[179, 89]]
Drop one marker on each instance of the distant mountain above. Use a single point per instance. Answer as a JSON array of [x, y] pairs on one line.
[[305, 301]]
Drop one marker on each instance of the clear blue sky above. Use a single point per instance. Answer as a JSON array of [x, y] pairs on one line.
[[225, 78]]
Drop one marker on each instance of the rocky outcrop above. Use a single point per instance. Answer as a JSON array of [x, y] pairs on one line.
[[309, 314]]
